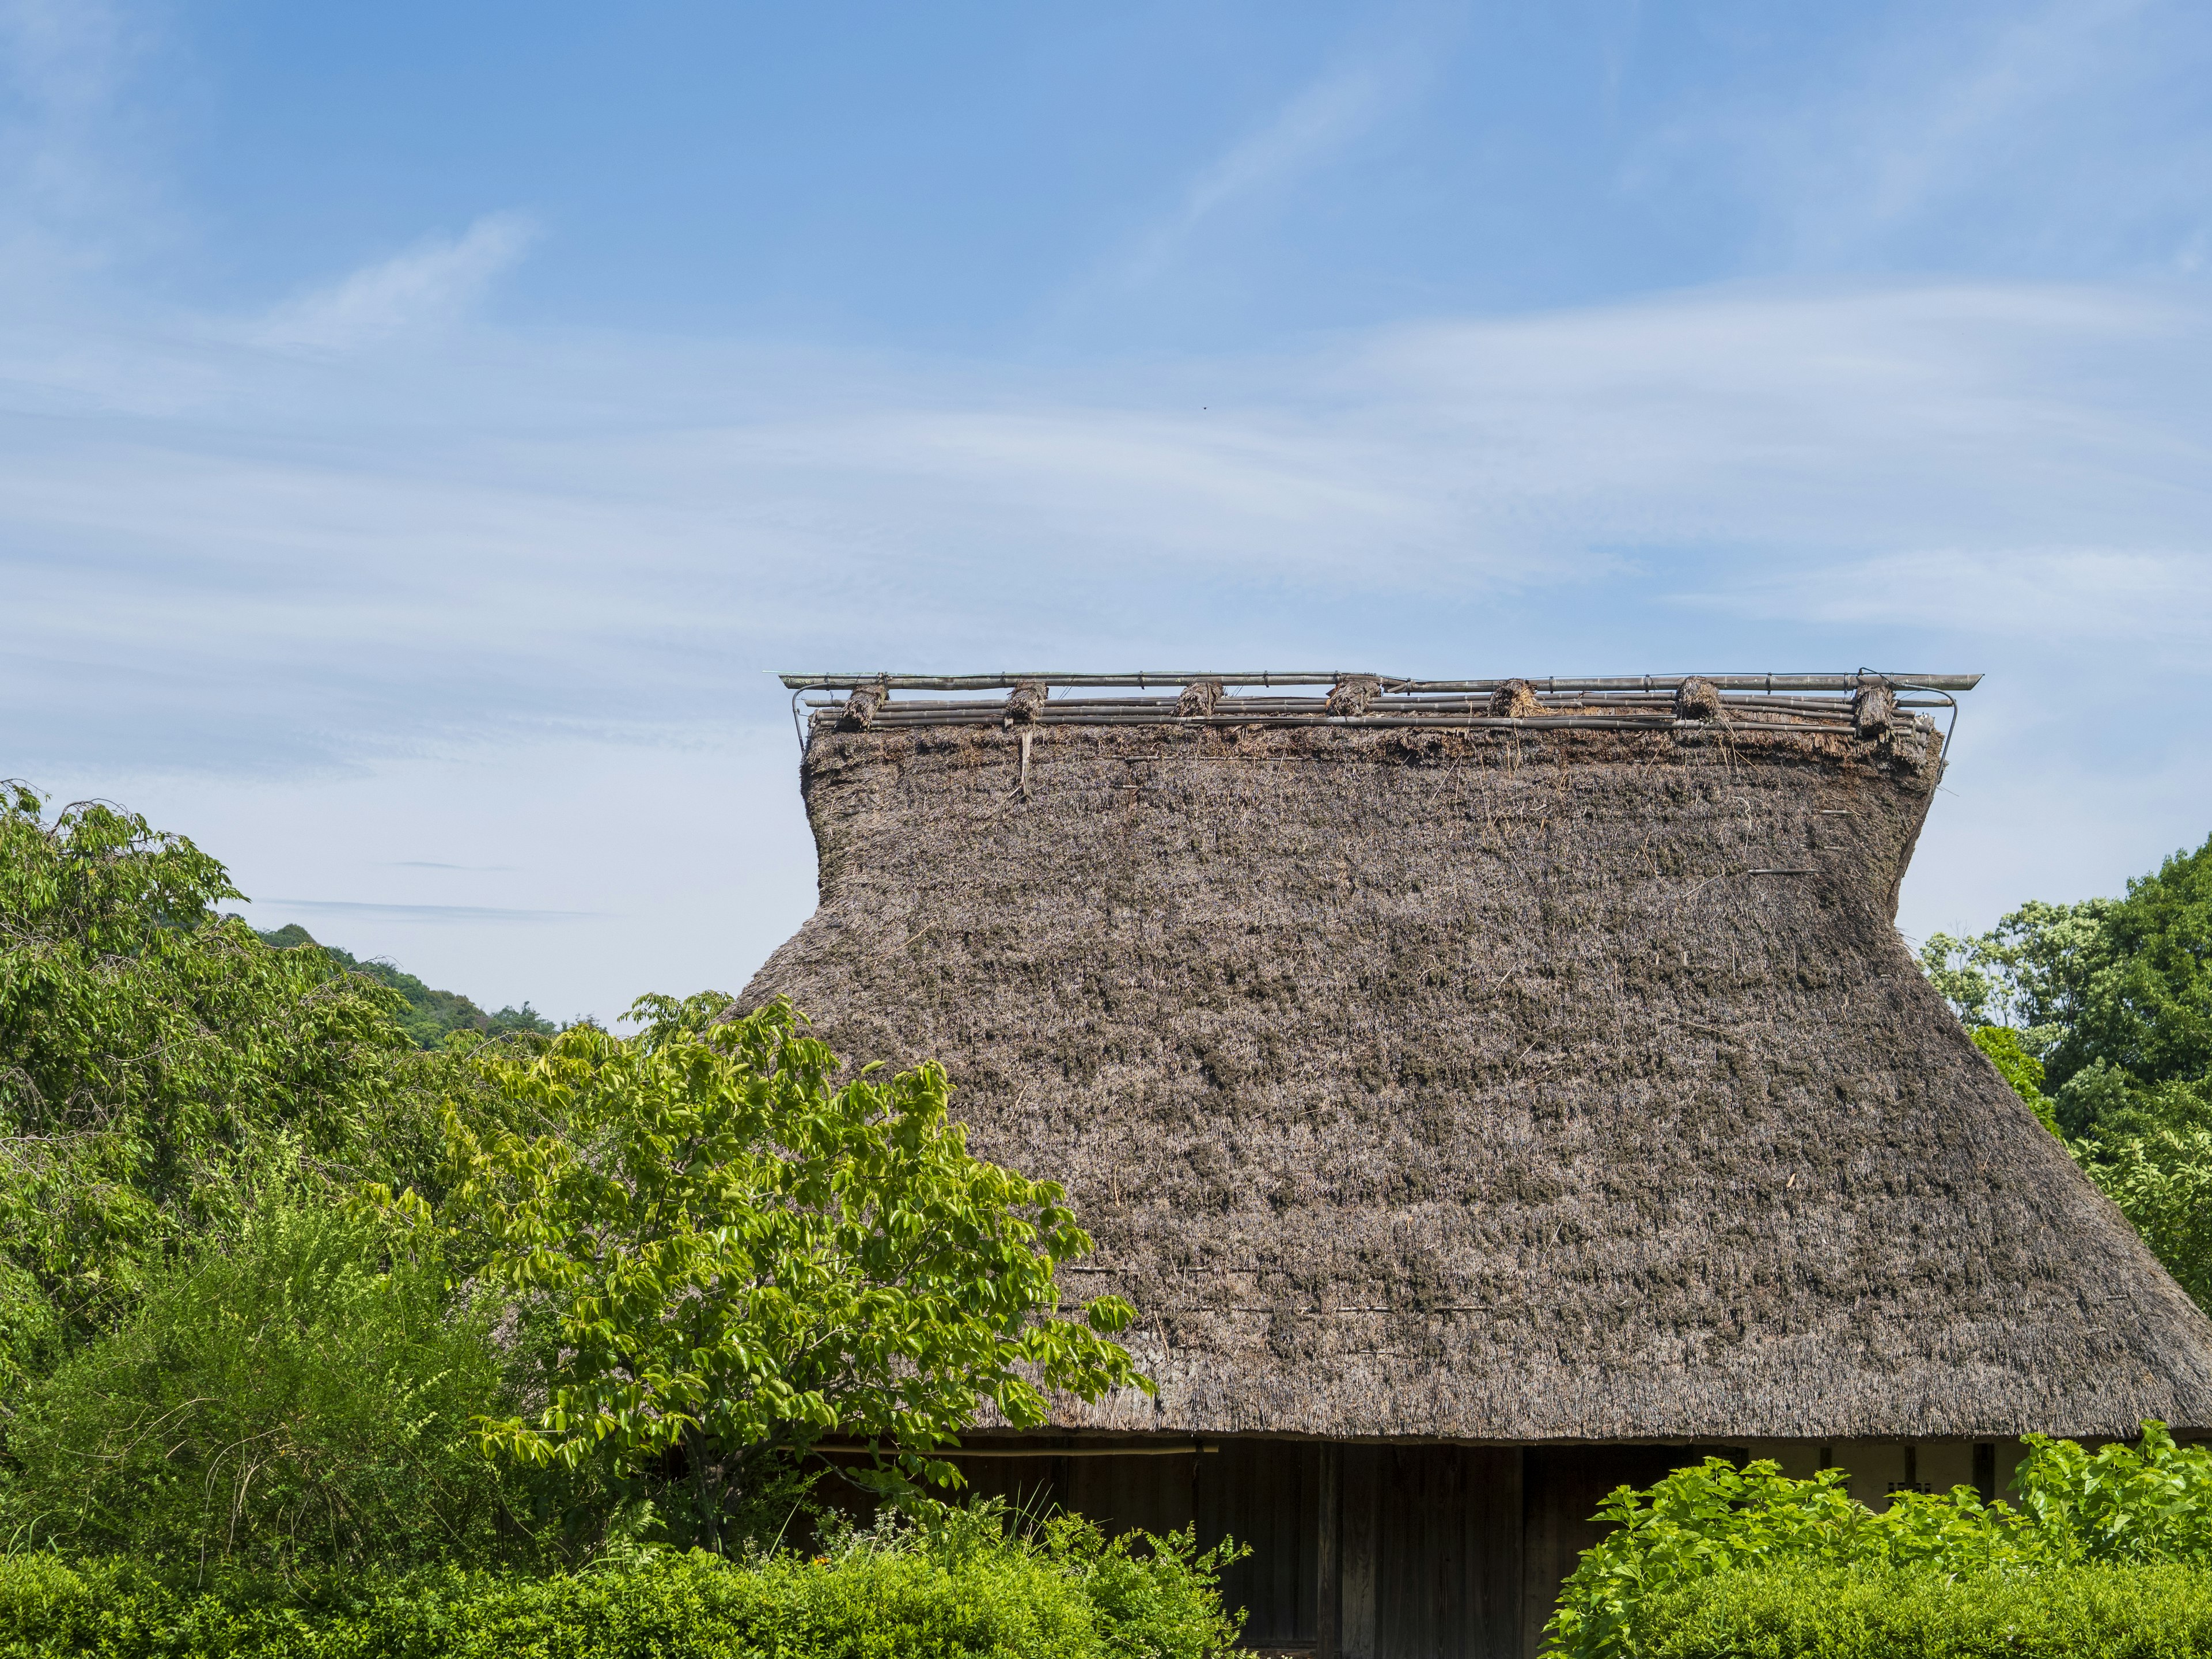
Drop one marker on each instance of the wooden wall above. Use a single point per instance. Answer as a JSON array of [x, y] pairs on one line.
[[1360, 1551], [1430, 1553], [1265, 1493], [1421, 1558]]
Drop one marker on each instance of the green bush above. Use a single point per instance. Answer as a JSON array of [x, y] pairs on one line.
[[2149, 1504], [301, 1393], [2100, 1612], [961, 1585]]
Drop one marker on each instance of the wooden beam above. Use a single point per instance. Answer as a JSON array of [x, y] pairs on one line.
[[1329, 1574]]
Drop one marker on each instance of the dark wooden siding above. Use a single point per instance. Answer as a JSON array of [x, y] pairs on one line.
[[1360, 1551], [1430, 1553], [1564, 1486], [1267, 1494]]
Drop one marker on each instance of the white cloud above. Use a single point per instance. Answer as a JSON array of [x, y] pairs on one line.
[[427, 285], [1322, 119], [74, 149], [1309, 128], [2157, 602], [589, 531], [2062, 136], [336, 568]]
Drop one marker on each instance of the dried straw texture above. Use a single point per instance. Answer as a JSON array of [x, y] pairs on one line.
[[1485, 1085]]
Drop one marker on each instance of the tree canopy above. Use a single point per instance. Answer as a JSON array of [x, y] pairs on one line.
[[741, 1256], [2100, 1014], [158, 1062], [430, 1015], [255, 1243]]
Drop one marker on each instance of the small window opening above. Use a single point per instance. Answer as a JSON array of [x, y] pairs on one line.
[[1912, 1482]]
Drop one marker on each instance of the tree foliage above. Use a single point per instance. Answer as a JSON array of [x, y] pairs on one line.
[[2022, 1070], [2032, 973], [741, 1258], [2115, 992], [430, 1015], [654, 1268], [158, 1063], [2147, 1011], [2100, 1015]]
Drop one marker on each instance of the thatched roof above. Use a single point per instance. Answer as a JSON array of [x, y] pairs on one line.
[[1549, 1073]]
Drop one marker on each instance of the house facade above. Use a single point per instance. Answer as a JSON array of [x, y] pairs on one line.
[[1487, 1093]]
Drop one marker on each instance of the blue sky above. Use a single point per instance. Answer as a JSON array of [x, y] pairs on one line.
[[421, 429]]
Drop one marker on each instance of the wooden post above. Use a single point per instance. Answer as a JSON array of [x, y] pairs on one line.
[[1329, 1572]]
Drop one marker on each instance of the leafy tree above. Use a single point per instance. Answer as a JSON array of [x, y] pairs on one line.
[[430, 1015], [157, 1063], [2115, 992], [2032, 973], [739, 1259], [299, 1393], [2147, 1008], [2022, 1069], [2161, 1179], [2108, 1003]]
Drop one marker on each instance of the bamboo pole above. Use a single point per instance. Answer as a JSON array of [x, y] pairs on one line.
[[1390, 683]]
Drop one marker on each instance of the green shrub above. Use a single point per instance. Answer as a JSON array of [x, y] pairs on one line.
[[302, 1392], [2150, 1503], [962, 1586], [2099, 1612]]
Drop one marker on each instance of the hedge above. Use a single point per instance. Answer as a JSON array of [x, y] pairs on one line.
[[1068, 1595], [2063, 1613], [2123, 1508]]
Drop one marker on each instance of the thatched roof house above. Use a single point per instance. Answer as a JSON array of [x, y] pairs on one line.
[[1483, 1067]]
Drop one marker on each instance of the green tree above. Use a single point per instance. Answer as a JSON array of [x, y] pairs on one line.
[[2107, 1004], [431, 1015], [2032, 973], [158, 1063], [2019, 1068], [739, 1259], [2146, 1010]]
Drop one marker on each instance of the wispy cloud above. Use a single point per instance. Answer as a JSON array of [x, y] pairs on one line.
[[539, 535], [2058, 137], [427, 285], [425, 913], [1309, 130], [1314, 125], [377, 566], [73, 150], [2158, 604]]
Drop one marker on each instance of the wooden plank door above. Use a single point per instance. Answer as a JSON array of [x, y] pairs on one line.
[[1430, 1546]]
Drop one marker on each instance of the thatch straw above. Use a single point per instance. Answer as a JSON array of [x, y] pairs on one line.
[[1694, 699], [1514, 700], [1353, 694], [1492, 1084]]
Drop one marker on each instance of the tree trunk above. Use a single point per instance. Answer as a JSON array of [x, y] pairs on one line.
[[706, 1489]]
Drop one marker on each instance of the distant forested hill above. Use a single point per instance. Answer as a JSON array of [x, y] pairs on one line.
[[430, 1013]]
